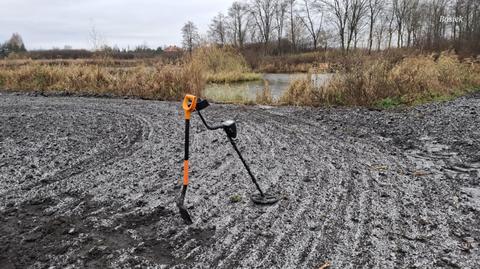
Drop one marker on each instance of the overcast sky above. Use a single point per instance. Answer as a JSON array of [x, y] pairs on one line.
[[44, 24]]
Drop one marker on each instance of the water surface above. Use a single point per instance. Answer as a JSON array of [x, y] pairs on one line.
[[247, 91]]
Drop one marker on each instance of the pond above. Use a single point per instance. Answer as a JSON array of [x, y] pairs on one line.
[[247, 91]]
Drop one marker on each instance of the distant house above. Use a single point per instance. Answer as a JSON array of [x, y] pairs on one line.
[[173, 50]]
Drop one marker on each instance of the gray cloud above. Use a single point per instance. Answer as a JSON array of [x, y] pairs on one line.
[[48, 23]]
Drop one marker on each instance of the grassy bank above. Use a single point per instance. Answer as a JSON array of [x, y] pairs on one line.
[[322, 61], [223, 65], [163, 82], [385, 80], [149, 78], [390, 81], [291, 63]]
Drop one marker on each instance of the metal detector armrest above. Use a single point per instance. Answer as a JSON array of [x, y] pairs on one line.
[[201, 104]]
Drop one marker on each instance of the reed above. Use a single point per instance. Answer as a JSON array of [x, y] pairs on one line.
[[390, 81], [162, 82]]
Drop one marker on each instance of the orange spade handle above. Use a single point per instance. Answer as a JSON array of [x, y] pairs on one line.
[[185, 173], [189, 104]]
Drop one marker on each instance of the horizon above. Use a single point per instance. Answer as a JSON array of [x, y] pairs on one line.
[[151, 23]]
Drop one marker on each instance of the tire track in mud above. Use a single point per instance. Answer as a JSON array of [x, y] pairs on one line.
[[138, 131], [303, 194], [399, 261], [279, 242], [129, 142], [246, 241], [337, 207]]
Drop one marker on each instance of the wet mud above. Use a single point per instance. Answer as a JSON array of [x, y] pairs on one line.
[[92, 183]]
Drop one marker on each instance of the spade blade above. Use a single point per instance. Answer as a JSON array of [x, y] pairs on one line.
[[181, 207], [184, 214]]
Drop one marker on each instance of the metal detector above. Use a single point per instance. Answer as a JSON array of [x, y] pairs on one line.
[[190, 104]]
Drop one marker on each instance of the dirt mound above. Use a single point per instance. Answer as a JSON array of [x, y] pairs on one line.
[[91, 182]]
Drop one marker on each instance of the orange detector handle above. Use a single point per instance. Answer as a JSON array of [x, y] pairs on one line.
[[189, 105]]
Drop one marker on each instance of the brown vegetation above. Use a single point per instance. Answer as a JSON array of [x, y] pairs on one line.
[[97, 61], [412, 80], [147, 78], [265, 96], [223, 65], [292, 63], [388, 78], [164, 82]]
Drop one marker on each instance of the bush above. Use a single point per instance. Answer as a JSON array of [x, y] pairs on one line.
[[222, 65], [301, 92]]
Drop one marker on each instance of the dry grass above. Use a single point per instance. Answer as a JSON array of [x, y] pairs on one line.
[[163, 82], [265, 96], [415, 79], [151, 79], [323, 61], [301, 92], [223, 65], [386, 80], [292, 63], [106, 62], [231, 77]]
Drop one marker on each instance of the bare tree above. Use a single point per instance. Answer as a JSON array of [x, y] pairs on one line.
[[374, 8], [438, 8], [390, 17], [456, 12], [412, 22], [218, 29], [263, 12], [357, 12], [292, 14], [427, 24], [379, 29], [401, 10], [237, 13], [96, 39], [280, 12], [312, 22], [190, 36], [339, 10], [469, 28]]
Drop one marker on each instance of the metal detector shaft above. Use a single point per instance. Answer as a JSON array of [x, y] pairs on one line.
[[246, 165], [206, 124], [231, 133]]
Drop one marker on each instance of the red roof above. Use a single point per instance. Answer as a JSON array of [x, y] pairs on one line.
[[172, 49]]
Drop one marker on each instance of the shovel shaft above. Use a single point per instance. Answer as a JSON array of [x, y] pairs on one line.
[[189, 104], [185, 159]]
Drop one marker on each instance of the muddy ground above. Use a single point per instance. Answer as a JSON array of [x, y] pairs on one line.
[[91, 183]]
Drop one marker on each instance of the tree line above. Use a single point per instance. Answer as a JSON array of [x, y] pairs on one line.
[[285, 26], [15, 45]]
